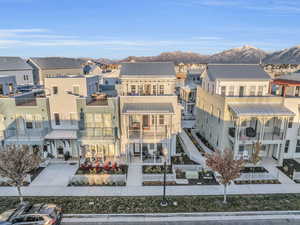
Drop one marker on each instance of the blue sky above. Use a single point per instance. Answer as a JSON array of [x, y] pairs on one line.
[[119, 28]]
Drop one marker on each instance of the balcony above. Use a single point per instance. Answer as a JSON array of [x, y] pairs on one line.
[[26, 102], [27, 133], [276, 135], [97, 133], [148, 133], [97, 100]]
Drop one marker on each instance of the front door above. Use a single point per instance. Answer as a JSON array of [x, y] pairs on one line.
[[241, 93]]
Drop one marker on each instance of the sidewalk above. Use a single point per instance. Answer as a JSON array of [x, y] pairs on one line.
[[170, 217], [151, 190]]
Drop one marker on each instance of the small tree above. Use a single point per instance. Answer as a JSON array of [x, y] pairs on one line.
[[255, 156], [15, 164], [226, 166]]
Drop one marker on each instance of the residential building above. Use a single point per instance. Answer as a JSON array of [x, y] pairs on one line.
[[24, 120], [8, 85], [92, 69], [235, 110], [54, 66], [63, 92], [17, 67], [150, 115], [187, 94], [288, 86]]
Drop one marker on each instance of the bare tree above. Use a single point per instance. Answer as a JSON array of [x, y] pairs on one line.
[[226, 166], [15, 164]]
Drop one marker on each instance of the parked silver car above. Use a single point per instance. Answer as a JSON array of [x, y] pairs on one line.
[[28, 214]]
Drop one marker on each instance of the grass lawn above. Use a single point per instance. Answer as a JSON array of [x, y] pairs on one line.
[[151, 204]]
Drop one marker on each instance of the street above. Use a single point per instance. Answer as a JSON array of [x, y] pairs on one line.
[[233, 222]]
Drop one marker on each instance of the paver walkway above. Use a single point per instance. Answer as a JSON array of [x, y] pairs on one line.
[[57, 174], [134, 175]]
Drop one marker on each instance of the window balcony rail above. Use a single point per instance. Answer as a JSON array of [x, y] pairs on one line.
[[25, 101], [148, 133], [276, 135], [97, 132], [27, 133]]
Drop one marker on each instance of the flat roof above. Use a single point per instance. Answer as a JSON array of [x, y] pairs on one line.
[[254, 109], [166, 108]]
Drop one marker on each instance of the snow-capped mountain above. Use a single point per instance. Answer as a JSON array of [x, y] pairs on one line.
[[286, 56], [245, 54]]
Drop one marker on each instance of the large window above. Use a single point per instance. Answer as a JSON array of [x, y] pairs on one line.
[[286, 147], [223, 90], [161, 120], [252, 90], [260, 90], [231, 91], [298, 146], [290, 124], [76, 90], [56, 119], [133, 89], [161, 89], [55, 90]]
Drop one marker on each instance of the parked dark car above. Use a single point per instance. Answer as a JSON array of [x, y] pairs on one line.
[[37, 214]]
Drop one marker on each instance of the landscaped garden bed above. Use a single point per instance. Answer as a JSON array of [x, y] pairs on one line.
[[157, 169], [151, 204], [158, 183], [182, 160], [256, 169], [238, 182], [204, 141], [289, 168], [195, 142], [100, 176], [201, 178]]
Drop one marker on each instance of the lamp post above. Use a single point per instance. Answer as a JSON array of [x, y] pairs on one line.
[[164, 201]]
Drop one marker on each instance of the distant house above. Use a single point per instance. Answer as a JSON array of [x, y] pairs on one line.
[[92, 69], [17, 67], [54, 66]]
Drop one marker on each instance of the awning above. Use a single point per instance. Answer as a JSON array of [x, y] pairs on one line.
[[61, 134], [260, 110], [148, 108]]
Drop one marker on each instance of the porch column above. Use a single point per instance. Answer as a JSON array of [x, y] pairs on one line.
[[262, 129]]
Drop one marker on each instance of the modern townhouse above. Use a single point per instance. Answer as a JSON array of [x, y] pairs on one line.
[[54, 66], [235, 110], [288, 86], [150, 115], [24, 120], [17, 67], [188, 92]]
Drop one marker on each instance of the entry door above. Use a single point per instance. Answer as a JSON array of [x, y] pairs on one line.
[[275, 151], [145, 121], [241, 93]]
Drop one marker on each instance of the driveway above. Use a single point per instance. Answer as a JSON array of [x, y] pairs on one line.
[[56, 174]]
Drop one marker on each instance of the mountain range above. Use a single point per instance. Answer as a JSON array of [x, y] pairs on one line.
[[245, 54]]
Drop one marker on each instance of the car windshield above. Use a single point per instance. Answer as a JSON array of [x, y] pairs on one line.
[[4, 216]]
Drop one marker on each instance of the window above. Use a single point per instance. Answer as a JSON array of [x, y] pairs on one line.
[[1, 89], [161, 90], [298, 146], [11, 88], [231, 91], [161, 120], [154, 89], [223, 90], [56, 119], [55, 90], [73, 118], [241, 92], [219, 115], [260, 90], [133, 89], [153, 120], [29, 125], [252, 90], [286, 147], [290, 124], [76, 90]]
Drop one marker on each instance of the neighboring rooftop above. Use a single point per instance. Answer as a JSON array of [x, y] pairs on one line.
[[249, 109], [294, 77], [148, 69], [148, 108], [236, 72], [57, 62], [13, 63]]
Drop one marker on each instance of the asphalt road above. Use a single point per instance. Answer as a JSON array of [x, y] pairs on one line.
[[235, 222]]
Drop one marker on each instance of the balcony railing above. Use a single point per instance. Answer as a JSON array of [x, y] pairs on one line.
[[26, 102], [245, 135], [148, 133], [97, 132], [273, 135], [27, 133]]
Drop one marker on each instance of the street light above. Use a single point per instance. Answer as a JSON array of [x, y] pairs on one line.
[[164, 201]]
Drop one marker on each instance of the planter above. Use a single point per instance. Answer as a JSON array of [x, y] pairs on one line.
[[98, 180]]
